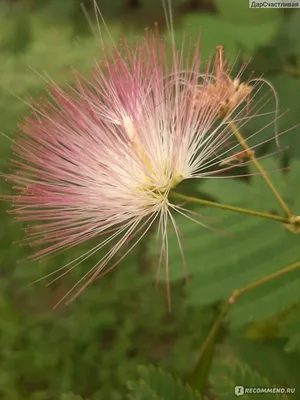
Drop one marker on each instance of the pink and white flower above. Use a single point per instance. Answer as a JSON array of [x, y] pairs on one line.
[[99, 159]]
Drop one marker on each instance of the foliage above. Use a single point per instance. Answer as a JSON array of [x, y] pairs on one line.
[[278, 61], [156, 384], [247, 249], [290, 330], [230, 373], [70, 396], [93, 346], [265, 357]]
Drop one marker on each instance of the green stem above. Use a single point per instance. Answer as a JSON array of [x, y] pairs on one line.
[[198, 379], [200, 373], [290, 71], [239, 292], [240, 210], [252, 157]]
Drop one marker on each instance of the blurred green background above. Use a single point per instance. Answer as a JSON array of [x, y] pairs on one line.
[[92, 348]]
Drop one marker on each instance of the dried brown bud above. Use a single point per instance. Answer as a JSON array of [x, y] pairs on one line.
[[220, 92]]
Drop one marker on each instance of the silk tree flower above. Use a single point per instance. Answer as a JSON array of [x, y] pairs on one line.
[[98, 159]]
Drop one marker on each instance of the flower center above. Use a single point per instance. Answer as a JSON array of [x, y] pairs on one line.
[[154, 181]]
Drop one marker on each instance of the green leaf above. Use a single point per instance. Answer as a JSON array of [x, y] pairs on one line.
[[230, 377], [159, 385], [239, 12], [249, 249], [279, 367], [267, 58], [287, 87], [290, 329], [256, 195], [233, 191], [70, 396], [17, 36], [279, 63], [42, 396], [58, 10], [216, 31], [288, 35]]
